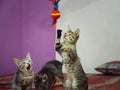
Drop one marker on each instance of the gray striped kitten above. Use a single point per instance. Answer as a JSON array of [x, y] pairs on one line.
[[76, 77], [23, 78]]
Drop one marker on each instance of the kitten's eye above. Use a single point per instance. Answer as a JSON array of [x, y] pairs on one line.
[[76, 34]]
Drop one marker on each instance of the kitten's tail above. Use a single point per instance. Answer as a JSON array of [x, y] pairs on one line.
[[6, 84]]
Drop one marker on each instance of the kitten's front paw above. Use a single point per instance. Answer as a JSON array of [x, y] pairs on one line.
[[59, 33]]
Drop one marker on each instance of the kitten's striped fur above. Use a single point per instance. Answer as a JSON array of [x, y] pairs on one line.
[[76, 78], [24, 76]]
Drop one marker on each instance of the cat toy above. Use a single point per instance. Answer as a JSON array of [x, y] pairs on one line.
[[55, 14]]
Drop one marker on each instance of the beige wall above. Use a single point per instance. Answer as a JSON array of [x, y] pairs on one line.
[[99, 22]]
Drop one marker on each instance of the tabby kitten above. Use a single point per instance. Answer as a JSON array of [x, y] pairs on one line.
[[46, 77], [24, 76], [76, 77]]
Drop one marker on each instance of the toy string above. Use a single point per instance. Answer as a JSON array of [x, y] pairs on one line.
[[55, 7]]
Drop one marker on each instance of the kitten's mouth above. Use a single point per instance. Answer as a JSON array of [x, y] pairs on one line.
[[28, 67]]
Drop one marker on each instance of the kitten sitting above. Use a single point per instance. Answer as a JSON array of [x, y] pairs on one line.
[[24, 76], [76, 77], [47, 75]]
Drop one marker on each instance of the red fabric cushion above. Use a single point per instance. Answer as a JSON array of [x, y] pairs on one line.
[[112, 67]]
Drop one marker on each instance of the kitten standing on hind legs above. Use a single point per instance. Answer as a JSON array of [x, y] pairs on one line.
[[24, 76], [76, 77]]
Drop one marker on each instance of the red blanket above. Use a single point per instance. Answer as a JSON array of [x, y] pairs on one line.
[[95, 82]]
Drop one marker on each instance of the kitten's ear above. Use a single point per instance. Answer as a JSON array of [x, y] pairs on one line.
[[17, 61], [36, 78], [77, 31], [28, 56], [44, 77], [68, 29]]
